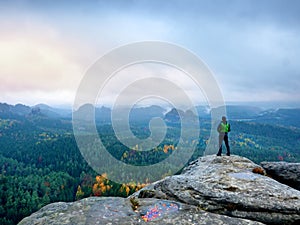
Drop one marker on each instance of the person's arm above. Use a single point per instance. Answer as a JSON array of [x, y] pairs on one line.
[[219, 128], [229, 129]]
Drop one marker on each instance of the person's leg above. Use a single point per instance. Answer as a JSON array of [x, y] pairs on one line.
[[227, 144], [221, 137]]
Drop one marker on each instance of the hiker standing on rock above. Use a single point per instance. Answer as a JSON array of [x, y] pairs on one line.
[[223, 129]]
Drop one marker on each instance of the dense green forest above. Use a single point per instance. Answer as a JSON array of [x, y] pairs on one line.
[[41, 163]]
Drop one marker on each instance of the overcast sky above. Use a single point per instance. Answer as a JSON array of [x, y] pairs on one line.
[[251, 46]]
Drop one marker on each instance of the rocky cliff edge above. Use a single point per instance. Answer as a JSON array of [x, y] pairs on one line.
[[211, 190]]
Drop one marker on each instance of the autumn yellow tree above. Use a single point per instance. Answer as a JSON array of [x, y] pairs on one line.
[[167, 147], [101, 186], [79, 193], [104, 187]]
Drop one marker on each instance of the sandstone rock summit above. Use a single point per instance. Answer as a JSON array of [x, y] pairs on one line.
[[210, 190]]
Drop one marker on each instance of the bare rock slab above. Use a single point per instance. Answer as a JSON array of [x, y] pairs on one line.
[[227, 186], [114, 210]]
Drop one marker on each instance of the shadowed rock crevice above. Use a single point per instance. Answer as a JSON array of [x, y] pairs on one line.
[[286, 173]]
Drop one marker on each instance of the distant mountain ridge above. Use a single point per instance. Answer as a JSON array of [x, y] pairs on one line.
[[7, 111], [282, 116], [54, 111], [290, 117], [20, 110]]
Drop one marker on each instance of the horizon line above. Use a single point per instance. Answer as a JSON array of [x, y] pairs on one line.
[[259, 104]]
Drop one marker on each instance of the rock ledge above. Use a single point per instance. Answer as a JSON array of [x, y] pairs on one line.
[[211, 190]]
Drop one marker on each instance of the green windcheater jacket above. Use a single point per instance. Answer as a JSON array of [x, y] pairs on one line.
[[224, 127]]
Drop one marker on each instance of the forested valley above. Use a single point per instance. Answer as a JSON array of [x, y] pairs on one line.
[[40, 162]]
